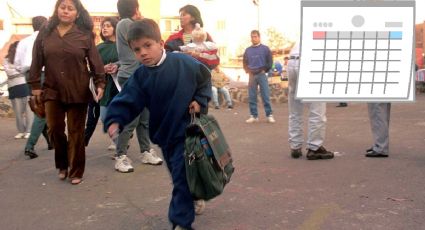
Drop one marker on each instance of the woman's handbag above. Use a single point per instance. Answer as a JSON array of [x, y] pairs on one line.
[[37, 107], [208, 158]]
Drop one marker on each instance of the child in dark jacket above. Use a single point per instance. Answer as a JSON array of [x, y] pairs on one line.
[[171, 86]]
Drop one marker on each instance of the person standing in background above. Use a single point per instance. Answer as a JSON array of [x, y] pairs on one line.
[[189, 17], [379, 116], [129, 12], [316, 117], [65, 48], [257, 61], [108, 52], [23, 61], [18, 94]]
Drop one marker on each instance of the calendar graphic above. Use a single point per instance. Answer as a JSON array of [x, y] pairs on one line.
[[357, 51]]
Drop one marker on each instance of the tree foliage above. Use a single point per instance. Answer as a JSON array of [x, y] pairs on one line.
[[275, 39]]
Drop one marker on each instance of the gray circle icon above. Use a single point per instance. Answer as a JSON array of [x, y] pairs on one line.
[[357, 21]]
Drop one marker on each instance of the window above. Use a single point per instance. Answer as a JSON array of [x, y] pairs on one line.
[[221, 25], [222, 51], [168, 25]]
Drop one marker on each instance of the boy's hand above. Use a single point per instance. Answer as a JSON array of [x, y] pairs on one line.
[[194, 107], [113, 131]]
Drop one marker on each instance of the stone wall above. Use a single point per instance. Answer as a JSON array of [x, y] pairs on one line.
[[239, 93], [6, 107]]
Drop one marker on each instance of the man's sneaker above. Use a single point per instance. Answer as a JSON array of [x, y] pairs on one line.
[[199, 206], [252, 119], [123, 164], [271, 119], [20, 136], [27, 135], [375, 154], [30, 153], [296, 153], [320, 153], [150, 157]]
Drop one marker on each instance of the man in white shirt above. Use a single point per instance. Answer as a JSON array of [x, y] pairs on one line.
[[316, 117], [23, 59], [23, 56]]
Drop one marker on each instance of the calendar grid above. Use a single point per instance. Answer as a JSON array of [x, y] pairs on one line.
[[349, 62], [361, 64], [372, 37], [323, 65], [357, 49], [374, 63], [336, 62], [388, 58]]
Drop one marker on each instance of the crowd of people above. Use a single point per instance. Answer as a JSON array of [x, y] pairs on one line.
[[145, 84]]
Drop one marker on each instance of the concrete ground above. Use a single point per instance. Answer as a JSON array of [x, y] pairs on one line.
[[268, 190]]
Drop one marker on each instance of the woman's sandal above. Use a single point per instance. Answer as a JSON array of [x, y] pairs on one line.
[[75, 181], [63, 173]]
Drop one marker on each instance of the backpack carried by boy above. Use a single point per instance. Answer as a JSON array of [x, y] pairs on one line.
[[208, 158]]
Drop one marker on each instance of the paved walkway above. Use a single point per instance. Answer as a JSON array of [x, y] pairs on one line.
[[269, 190]]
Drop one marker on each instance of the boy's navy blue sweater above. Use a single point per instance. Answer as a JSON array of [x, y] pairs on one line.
[[166, 90]]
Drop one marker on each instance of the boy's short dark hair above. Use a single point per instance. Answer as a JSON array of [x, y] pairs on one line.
[[127, 8], [145, 28], [38, 22], [255, 32]]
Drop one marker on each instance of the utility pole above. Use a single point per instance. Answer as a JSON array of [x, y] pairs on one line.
[[257, 3]]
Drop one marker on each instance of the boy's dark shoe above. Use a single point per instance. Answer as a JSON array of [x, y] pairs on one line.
[[320, 153], [342, 104], [230, 107], [30, 153], [375, 154], [296, 153]]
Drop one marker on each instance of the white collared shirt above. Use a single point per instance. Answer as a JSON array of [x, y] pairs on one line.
[[164, 55], [295, 51], [23, 56]]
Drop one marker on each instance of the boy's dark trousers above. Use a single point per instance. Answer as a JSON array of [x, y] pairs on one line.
[[181, 211]]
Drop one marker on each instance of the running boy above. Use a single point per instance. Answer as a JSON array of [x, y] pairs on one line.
[[171, 86]]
